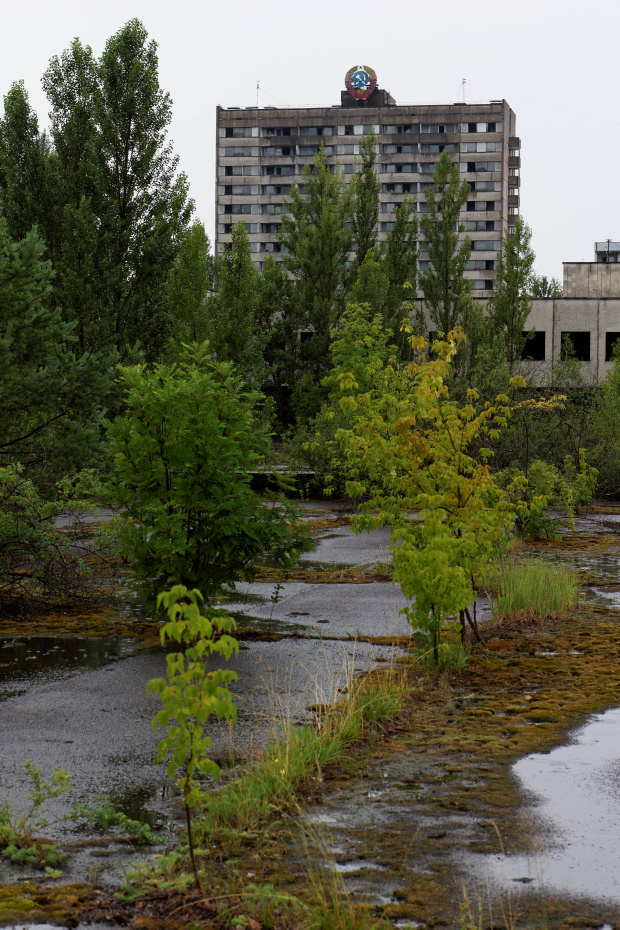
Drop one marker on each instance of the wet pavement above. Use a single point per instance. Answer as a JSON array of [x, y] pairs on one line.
[[81, 704]]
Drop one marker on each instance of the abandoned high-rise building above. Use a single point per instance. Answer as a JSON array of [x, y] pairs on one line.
[[261, 152]]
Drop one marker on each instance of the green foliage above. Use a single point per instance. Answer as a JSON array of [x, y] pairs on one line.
[[426, 463], [182, 456], [447, 292], [541, 286], [276, 318], [17, 830], [231, 328], [317, 237], [50, 397], [190, 695], [510, 305], [34, 555], [359, 352], [189, 282], [106, 817], [24, 164], [399, 253], [366, 187], [105, 194]]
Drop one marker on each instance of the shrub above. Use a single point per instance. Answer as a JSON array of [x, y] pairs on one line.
[[183, 453]]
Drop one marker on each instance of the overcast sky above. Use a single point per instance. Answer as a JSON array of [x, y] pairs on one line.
[[555, 63]]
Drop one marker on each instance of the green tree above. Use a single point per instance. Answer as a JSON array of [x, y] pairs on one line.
[[510, 305], [317, 237], [366, 189], [230, 320], [183, 453], [123, 208], [50, 395], [399, 254], [190, 695], [24, 166], [430, 454], [276, 318], [541, 286], [190, 281], [447, 292]]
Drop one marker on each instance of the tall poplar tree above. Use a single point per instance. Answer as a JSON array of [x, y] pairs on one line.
[[447, 292], [366, 189], [317, 237], [510, 304], [107, 195]]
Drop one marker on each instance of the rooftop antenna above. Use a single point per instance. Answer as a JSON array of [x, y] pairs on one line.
[[462, 87], [257, 89]]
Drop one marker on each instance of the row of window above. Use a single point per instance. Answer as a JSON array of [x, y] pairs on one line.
[[356, 129], [277, 151], [578, 342]]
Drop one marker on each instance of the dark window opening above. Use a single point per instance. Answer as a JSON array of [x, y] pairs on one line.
[[534, 347], [580, 342], [489, 265], [305, 336], [610, 341]]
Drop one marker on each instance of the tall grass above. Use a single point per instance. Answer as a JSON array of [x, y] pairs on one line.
[[537, 588], [270, 785]]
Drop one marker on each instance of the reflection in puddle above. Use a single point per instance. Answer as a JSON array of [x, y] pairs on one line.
[[579, 790], [26, 660]]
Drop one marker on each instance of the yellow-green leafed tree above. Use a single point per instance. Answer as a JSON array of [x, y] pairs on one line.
[[429, 479]]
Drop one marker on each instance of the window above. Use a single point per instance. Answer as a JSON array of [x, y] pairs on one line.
[[485, 245], [387, 226], [472, 166], [304, 336], [427, 167], [410, 187], [424, 264], [239, 190], [580, 342], [273, 247], [269, 228], [398, 149], [481, 127], [480, 264], [236, 208], [435, 148], [348, 169], [238, 170], [239, 132], [610, 341], [483, 285], [276, 189], [277, 131], [347, 149], [438, 127], [316, 130], [271, 151], [485, 185], [278, 169], [534, 347], [226, 228]]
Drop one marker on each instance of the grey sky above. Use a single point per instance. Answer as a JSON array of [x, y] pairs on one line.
[[555, 63]]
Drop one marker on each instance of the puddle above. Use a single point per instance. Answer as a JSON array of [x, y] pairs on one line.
[[29, 660], [577, 814]]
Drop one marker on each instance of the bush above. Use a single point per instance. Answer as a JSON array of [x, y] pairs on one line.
[[183, 453]]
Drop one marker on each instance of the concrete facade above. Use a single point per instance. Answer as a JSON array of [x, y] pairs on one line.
[[261, 153], [593, 325], [591, 279]]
